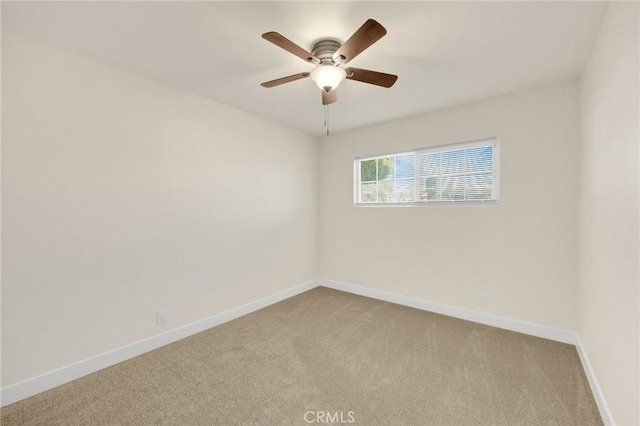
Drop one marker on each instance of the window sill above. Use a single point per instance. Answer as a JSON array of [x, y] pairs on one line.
[[474, 203]]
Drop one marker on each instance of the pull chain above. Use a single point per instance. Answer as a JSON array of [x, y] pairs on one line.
[[326, 118], [324, 110]]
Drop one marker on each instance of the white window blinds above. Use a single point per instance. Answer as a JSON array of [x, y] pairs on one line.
[[452, 173]]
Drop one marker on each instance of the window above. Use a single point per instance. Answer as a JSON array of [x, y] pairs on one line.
[[458, 173]]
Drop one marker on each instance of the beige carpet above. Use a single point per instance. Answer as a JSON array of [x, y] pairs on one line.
[[372, 362]]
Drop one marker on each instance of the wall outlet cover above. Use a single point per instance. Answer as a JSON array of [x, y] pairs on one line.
[[162, 317]]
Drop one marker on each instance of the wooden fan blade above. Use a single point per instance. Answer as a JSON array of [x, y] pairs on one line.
[[279, 81], [329, 97], [371, 77], [370, 32], [286, 44]]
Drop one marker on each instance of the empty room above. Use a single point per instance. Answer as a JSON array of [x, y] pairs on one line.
[[293, 213]]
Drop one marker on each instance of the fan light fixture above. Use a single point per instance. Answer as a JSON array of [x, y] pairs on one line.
[[330, 55], [328, 77]]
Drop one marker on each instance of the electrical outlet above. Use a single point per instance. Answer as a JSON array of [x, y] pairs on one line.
[[162, 317], [482, 299]]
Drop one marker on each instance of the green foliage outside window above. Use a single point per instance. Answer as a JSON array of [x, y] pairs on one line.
[[368, 169]]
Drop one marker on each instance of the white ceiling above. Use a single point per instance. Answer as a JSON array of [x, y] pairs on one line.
[[445, 53]]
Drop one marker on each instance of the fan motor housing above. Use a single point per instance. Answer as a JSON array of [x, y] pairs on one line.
[[324, 49]]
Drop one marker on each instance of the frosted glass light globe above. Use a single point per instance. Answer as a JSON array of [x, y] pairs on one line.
[[328, 77]]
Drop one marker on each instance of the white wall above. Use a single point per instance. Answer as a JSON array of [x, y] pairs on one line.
[[522, 252], [609, 199], [122, 197]]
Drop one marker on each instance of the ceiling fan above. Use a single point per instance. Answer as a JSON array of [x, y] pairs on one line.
[[330, 57]]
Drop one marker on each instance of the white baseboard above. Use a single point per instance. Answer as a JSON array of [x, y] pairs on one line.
[[49, 380], [603, 407], [551, 333], [35, 385]]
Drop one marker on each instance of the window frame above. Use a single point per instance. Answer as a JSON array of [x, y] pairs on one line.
[[427, 150]]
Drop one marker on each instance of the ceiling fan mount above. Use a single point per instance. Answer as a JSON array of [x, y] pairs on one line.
[[329, 56], [324, 49]]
